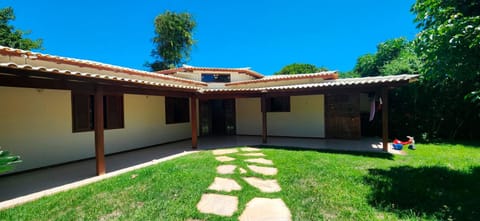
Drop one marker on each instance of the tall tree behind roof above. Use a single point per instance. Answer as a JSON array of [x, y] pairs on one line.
[[11, 37], [297, 68], [173, 40]]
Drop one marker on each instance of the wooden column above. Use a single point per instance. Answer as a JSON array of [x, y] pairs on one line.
[[99, 129], [385, 119], [264, 118], [193, 120]]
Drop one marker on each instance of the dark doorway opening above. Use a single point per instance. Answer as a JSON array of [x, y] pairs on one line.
[[217, 117]]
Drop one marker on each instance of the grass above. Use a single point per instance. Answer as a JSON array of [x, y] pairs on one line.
[[434, 182]]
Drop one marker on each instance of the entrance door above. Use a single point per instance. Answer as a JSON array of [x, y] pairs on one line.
[[342, 116], [217, 117]]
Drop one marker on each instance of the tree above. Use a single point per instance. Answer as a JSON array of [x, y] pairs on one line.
[[449, 46], [173, 40], [298, 68], [13, 38], [6, 161], [394, 56]]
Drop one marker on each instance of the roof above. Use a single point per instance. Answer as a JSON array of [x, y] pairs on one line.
[[325, 75], [93, 64], [98, 76], [188, 68], [346, 82], [87, 69]]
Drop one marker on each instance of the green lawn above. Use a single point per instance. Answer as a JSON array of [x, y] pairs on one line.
[[434, 182]]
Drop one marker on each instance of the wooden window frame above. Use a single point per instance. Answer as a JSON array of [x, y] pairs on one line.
[[114, 117], [278, 104], [177, 110], [217, 78]]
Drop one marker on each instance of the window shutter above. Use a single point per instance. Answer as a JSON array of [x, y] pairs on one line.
[[82, 112]]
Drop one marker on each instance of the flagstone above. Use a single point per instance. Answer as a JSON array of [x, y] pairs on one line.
[[259, 160], [224, 158], [224, 184], [218, 204], [226, 169], [269, 171], [266, 186], [266, 209], [248, 149], [224, 151], [253, 154]]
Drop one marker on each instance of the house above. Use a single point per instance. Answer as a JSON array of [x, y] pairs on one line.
[[56, 109]]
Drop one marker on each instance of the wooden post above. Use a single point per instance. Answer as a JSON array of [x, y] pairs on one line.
[[385, 119], [193, 120], [264, 118], [99, 129]]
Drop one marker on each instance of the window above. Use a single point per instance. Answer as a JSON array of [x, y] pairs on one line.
[[176, 110], [219, 78], [83, 112], [278, 104]]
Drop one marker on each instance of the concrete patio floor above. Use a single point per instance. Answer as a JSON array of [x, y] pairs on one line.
[[21, 184]]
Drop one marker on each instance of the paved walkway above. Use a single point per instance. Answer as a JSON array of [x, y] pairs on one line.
[[224, 201]]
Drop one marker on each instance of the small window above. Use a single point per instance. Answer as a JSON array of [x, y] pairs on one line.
[[113, 111], [278, 104], [83, 106], [176, 110], [219, 78]]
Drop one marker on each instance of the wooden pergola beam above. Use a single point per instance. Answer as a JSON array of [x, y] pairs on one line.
[[264, 118], [99, 131], [193, 120], [385, 118]]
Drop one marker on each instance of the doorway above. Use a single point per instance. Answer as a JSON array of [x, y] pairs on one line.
[[217, 117]]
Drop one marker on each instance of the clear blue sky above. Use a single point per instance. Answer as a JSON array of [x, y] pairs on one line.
[[264, 35]]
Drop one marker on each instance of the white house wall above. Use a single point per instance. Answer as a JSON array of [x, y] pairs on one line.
[[305, 119], [37, 125]]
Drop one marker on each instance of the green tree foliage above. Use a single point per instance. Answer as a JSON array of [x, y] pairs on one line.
[[395, 56], [6, 161], [173, 40], [449, 46], [11, 37], [298, 68]]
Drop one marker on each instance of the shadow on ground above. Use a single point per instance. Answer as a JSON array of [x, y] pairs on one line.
[[382, 155], [426, 191]]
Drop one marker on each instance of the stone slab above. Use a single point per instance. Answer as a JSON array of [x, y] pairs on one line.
[[260, 161], [224, 158], [218, 204], [248, 149], [266, 186], [224, 184], [226, 169], [253, 154], [268, 171], [264, 209], [224, 151]]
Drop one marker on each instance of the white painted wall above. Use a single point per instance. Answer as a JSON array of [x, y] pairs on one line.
[[37, 125], [305, 119], [249, 116]]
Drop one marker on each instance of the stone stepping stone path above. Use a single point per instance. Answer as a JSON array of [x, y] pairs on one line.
[[260, 161], [258, 208], [222, 205], [252, 154], [226, 169], [224, 159], [266, 186], [268, 171], [262, 209], [224, 184]]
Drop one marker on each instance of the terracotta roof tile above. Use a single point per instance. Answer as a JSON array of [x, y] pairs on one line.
[[326, 75], [93, 64], [188, 68]]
